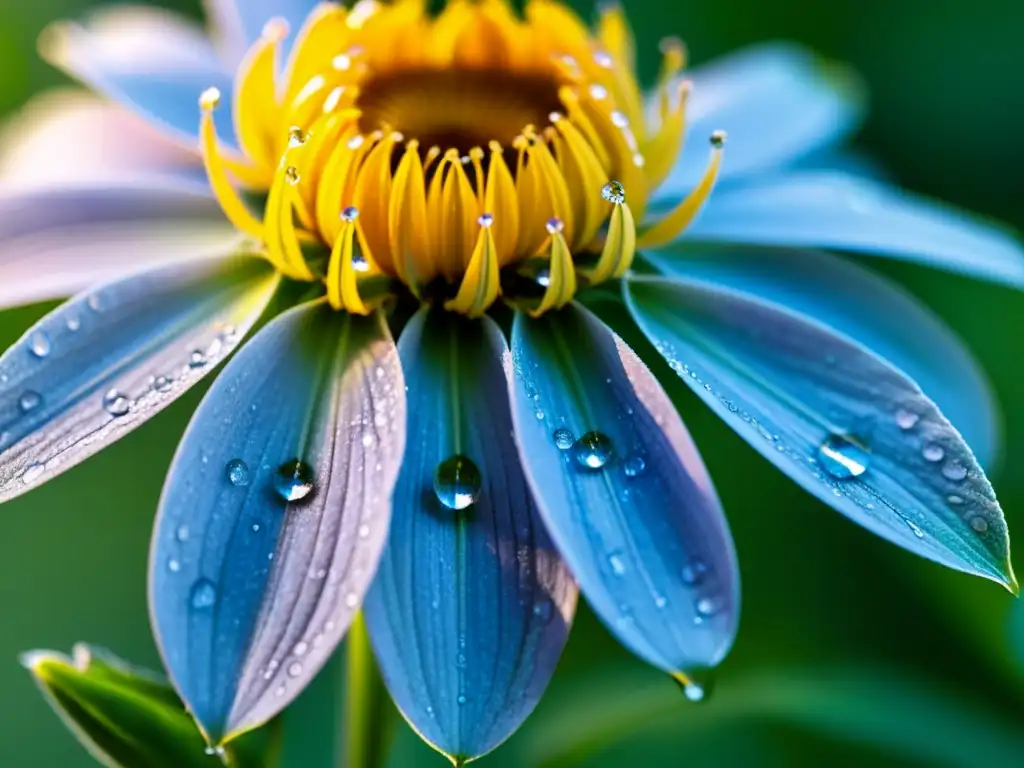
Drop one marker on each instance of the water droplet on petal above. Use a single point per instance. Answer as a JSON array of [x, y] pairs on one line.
[[696, 685], [173, 565], [614, 192], [617, 563], [300, 648], [349, 213], [293, 480], [634, 465], [706, 607], [73, 323], [598, 92], [485, 220], [294, 669], [197, 359], [603, 59], [39, 344], [842, 458], [457, 482], [979, 524], [955, 501], [933, 452], [296, 137], [543, 277], [291, 175], [32, 473], [554, 225], [564, 439], [160, 384], [593, 450], [906, 419], [461, 699], [693, 572], [116, 404], [954, 471], [29, 401], [182, 533], [204, 594], [351, 600], [238, 472]]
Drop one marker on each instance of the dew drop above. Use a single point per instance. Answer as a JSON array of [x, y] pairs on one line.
[[293, 480], [349, 213], [706, 607], [182, 533], [204, 594], [255, 527], [457, 482], [693, 572], [364, 531], [39, 344], [593, 450], [696, 685], [73, 323], [294, 669], [238, 472], [173, 565], [368, 440], [906, 419], [564, 439], [634, 466], [351, 600], [29, 401], [32, 473], [955, 501], [160, 384], [461, 699], [842, 458], [603, 59], [617, 564], [979, 524], [291, 175], [718, 139], [197, 359], [296, 137], [614, 192], [485, 220], [933, 452], [116, 404], [619, 119], [954, 471], [543, 277], [598, 92], [301, 647], [554, 225]]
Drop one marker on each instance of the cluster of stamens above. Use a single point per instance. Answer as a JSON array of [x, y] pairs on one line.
[[389, 162]]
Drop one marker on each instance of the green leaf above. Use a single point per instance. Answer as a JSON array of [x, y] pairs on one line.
[[128, 717]]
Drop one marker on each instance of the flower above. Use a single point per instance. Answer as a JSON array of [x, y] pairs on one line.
[[458, 181]]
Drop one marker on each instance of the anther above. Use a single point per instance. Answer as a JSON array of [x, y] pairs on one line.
[[209, 99]]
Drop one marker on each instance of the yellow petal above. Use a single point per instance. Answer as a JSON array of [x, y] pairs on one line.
[[481, 284]]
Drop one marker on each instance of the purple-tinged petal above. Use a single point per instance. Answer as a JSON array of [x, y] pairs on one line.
[[152, 61], [864, 306], [71, 137], [472, 606], [838, 419], [623, 491], [274, 514], [836, 210], [105, 362], [57, 241], [776, 102]]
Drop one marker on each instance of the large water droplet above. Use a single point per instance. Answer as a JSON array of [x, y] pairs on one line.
[[457, 482], [39, 344], [29, 401], [116, 404], [293, 480], [614, 192], [564, 439], [204, 594], [593, 450], [842, 458], [238, 472]]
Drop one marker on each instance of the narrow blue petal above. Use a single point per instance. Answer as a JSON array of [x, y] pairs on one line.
[[867, 308], [241, 22], [836, 210], [471, 608], [776, 102], [274, 514], [839, 420], [151, 61], [105, 362], [632, 508], [57, 241]]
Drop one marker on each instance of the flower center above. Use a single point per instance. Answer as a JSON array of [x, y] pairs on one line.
[[470, 156]]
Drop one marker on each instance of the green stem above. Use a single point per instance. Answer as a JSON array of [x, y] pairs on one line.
[[367, 708]]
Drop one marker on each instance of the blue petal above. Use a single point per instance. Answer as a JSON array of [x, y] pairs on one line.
[[840, 421], [151, 61], [250, 593], [241, 22], [867, 308], [471, 608], [836, 210], [776, 102], [55, 242], [644, 534], [103, 363]]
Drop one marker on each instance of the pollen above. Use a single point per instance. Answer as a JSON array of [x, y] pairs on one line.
[[466, 157]]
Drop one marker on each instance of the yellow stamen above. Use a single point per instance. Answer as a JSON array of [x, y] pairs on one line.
[[662, 151], [561, 274], [619, 246], [283, 244], [344, 267], [482, 282], [255, 107], [230, 201], [673, 224], [407, 217]]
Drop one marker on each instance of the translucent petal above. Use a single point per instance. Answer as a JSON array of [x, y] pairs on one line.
[[775, 101], [837, 210], [472, 606], [57, 241], [105, 362], [274, 514], [867, 308], [840, 421], [623, 491]]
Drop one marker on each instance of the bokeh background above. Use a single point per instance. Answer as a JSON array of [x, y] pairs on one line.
[[850, 650]]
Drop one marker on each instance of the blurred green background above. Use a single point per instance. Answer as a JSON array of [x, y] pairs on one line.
[[850, 650]]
